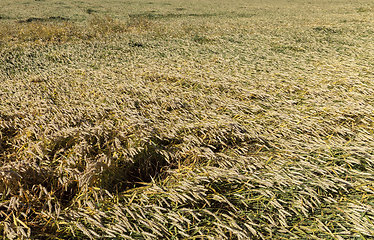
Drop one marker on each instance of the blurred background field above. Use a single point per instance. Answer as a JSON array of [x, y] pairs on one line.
[[186, 119]]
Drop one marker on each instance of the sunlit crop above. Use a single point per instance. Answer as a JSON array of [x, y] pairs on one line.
[[186, 120]]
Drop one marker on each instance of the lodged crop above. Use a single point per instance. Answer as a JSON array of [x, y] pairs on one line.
[[248, 122]]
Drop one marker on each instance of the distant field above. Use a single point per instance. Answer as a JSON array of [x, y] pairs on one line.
[[186, 119]]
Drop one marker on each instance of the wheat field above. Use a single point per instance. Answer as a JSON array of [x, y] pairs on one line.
[[155, 119]]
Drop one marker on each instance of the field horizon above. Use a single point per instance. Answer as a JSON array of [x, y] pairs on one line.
[[207, 119]]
